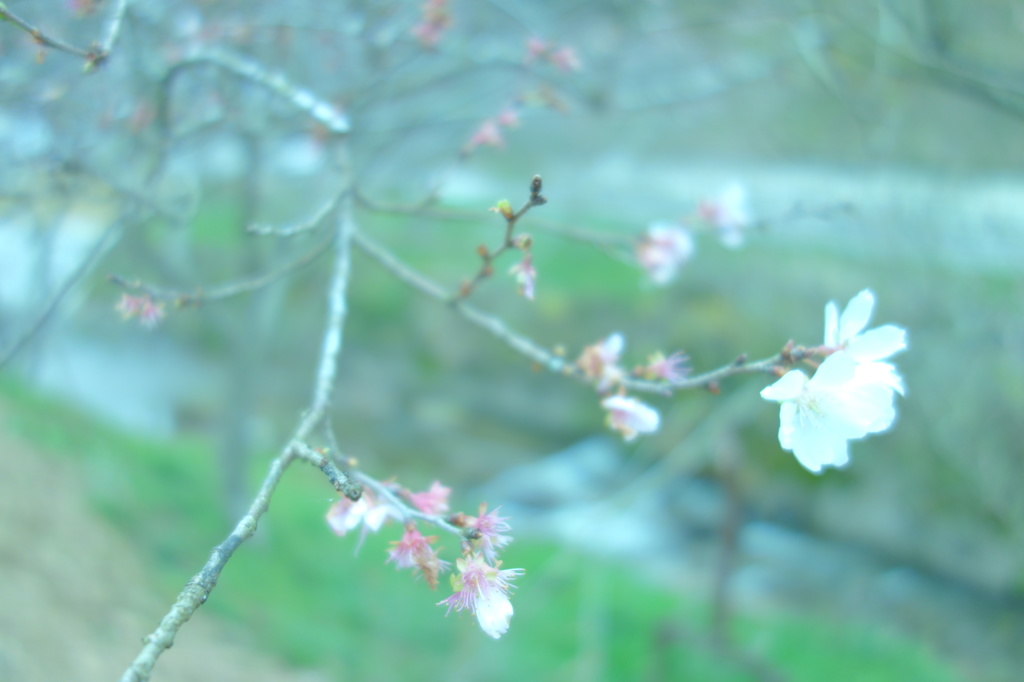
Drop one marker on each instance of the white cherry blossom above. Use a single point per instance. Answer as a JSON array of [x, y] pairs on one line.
[[845, 400], [846, 331], [630, 417]]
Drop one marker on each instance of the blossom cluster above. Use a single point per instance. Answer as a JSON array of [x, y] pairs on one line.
[[666, 246], [851, 393], [627, 415], [561, 57], [434, 21], [480, 585], [490, 131], [146, 310]]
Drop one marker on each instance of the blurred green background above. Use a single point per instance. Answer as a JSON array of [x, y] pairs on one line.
[[880, 145]]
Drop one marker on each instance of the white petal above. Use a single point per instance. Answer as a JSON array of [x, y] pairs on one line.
[[787, 422], [493, 611], [612, 347], [861, 409], [815, 448], [879, 373], [878, 344], [786, 388], [836, 370], [856, 316], [831, 324]]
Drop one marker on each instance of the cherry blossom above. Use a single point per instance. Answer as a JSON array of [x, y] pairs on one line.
[[345, 515], [414, 551], [487, 134], [671, 369], [663, 250], [729, 213], [846, 331], [600, 361], [630, 417], [845, 400], [526, 276], [149, 312], [483, 589], [433, 501], [490, 527]]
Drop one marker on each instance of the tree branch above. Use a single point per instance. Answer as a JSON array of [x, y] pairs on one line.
[[548, 360], [201, 585], [222, 291]]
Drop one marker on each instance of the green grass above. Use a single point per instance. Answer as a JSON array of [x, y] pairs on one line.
[[306, 595]]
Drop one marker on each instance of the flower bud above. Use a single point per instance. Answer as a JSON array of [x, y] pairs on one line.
[[504, 208]]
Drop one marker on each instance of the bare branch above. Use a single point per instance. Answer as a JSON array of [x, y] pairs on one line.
[[201, 585], [46, 40], [222, 291], [310, 223], [550, 361], [114, 27], [301, 98]]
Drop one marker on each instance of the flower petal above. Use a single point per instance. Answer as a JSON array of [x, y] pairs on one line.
[[786, 388], [856, 315], [816, 449], [880, 373], [878, 343], [493, 612], [836, 370]]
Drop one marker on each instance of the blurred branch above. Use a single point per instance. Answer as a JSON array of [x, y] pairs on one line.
[[929, 50], [488, 257], [276, 82], [103, 245], [114, 26], [201, 585], [409, 512], [307, 225], [552, 362], [92, 56], [200, 295]]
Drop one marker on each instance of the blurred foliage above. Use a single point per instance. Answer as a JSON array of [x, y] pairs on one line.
[[310, 598]]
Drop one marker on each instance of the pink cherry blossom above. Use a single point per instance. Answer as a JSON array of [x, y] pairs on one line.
[[508, 118], [729, 213], [345, 515], [414, 551], [488, 134], [433, 501], [490, 527], [672, 368], [630, 417], [526, 276], [565, 59], [664, 249], [535, 47], [148, 312], [483, 589], [600, 362]]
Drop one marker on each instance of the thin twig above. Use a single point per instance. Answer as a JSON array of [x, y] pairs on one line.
[[548, 360], [222, 291], [201, 585], [46, 40], [310, 223], [488, 257], [301, 98], [409, 512], [114, 27]]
